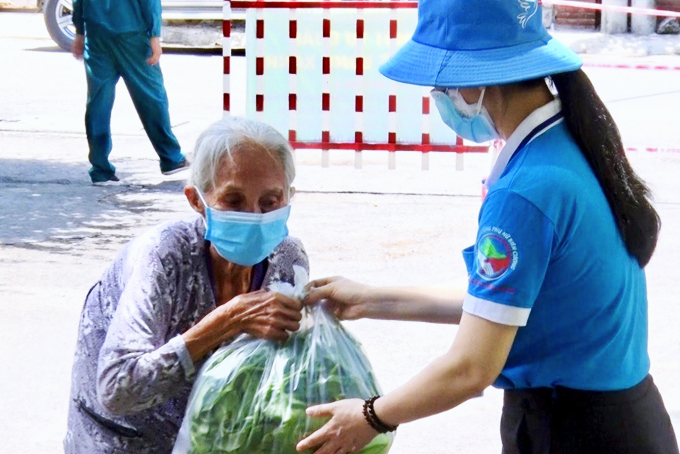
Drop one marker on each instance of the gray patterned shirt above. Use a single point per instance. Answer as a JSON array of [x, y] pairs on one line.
[[132, 373]]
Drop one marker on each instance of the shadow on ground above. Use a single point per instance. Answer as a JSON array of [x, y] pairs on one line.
[[52, 205]]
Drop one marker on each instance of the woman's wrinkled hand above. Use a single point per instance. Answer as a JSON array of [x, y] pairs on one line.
[[346, 432], [262, 314], [265, 315], [344, 298]]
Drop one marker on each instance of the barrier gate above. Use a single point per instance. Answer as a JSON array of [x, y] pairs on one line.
[[312, 73]]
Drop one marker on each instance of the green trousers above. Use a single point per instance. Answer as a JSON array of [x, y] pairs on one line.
[[108, 57]]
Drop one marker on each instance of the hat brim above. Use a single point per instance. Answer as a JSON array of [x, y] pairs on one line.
[[421, 64]]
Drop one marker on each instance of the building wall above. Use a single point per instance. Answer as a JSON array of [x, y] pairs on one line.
[[670, 5], [590, 19], [578, 17]]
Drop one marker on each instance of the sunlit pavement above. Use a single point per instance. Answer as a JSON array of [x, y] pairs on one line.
[[58, 233]]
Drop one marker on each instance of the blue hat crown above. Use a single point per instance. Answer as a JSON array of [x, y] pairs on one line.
[[466, 43], [479, 24]]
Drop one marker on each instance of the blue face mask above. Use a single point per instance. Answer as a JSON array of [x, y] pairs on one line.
[[471, 122], [245, 238]]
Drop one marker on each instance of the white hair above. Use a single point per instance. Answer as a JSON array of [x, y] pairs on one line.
[[230, 134]]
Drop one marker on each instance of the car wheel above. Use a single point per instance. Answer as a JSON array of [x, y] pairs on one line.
[[59, 21]]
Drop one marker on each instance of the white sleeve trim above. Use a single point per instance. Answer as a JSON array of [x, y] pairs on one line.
[[180, 347], [495, 312]]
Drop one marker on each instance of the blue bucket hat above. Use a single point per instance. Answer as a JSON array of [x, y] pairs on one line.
[[474, 43]]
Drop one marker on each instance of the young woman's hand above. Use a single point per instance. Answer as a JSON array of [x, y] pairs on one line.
[[346, 299], [346, 432]]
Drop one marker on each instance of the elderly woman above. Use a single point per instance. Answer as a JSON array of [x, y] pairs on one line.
[[177, 292]]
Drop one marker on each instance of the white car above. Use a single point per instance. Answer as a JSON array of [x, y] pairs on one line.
[[59, 23]]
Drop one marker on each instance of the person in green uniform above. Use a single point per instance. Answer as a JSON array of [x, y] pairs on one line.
[[121, 38]]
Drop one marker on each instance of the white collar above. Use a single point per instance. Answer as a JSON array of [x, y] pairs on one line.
[[538, 122]]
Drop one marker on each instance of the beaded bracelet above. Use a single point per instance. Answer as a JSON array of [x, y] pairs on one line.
[[373, 420]]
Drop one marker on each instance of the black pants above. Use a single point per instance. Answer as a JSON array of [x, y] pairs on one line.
[[568, 421]]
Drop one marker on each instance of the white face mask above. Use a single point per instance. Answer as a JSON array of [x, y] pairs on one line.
[[469, 121]]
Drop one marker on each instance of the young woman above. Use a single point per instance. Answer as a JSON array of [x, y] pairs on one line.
[[555, 312]]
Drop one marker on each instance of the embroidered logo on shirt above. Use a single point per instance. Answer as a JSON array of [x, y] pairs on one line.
[[496, 254], [530, 7]]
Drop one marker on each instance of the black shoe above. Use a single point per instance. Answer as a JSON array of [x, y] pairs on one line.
[[112, 181], [184, 164]]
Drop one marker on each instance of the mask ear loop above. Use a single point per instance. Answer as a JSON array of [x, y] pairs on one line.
[[479, 102], [200, 196], [206, 207], [551, 87], [481, 99]]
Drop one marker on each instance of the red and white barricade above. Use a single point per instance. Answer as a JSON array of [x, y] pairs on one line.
[[312, 73]]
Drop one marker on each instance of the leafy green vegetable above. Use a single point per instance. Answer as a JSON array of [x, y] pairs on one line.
[[250, 396]]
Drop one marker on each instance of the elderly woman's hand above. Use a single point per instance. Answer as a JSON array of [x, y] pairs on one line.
[[262, 314], [265, 315]]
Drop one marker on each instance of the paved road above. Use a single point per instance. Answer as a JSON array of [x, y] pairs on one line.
[[57, 232]]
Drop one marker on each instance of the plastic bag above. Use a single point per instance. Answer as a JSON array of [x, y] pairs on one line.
[[250, 396]]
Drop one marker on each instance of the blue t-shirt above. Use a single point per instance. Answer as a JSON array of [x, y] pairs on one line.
[[118, 16], [549, 258]]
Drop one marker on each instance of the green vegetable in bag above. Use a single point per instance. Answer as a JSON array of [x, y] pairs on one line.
[[250, 396]]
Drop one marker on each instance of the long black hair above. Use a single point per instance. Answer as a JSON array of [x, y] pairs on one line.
[[594, 130]]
